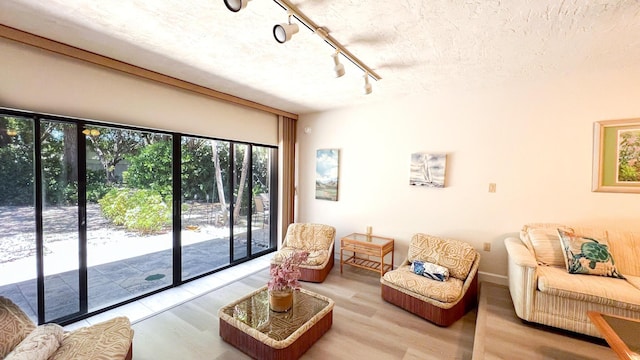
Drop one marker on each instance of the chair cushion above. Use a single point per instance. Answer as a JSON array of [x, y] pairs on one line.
[[110, 339], [316, 257], [444, 291], [15, 325], [309, 237], [39, 344], [455, 255], [634, 281], [595, 289]]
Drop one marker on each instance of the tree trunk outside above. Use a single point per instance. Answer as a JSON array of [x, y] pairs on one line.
[[218, 173], [70, 155], [243, 179]]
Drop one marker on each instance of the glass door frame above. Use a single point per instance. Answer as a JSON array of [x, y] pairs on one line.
[[39, 205]]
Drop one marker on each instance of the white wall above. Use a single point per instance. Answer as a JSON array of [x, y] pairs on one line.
[[533, 140], [41, 81]]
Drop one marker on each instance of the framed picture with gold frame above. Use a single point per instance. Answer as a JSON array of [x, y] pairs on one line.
[[616, 156]]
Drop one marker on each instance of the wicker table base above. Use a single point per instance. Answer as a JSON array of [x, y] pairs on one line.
[[249, 325]]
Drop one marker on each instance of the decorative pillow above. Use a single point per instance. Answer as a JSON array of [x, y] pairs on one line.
[[543, 241], [40, 344], [586, 255], [430, 270]]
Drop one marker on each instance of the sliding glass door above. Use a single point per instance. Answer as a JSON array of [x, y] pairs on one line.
[[205, 206], [96, 215], [261, 199], [18, 260], [61, 244], [241, 166], [129, 213]]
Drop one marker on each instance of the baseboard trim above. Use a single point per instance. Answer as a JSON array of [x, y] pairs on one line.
[[493, 278]]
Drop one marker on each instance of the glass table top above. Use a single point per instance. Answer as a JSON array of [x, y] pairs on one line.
[[626, 330], [253, 311], [368, 238]]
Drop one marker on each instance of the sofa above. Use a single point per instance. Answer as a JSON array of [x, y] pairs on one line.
[[318, 240], [21, 339], [440, 302], [544, 290]]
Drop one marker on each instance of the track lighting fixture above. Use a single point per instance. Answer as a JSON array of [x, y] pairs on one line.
[[367, 86], [338, 68], [284, 32], [236, 5]]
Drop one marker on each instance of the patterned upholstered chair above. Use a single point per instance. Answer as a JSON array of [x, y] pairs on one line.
[[318, 240], [441, 302], [20, 338]]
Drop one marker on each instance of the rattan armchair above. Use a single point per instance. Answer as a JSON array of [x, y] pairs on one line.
[[441, 302], [318, 240]]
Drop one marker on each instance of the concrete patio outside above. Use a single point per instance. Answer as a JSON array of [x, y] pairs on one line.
[[120, 266]]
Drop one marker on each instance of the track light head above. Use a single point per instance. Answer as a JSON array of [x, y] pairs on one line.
[[338, 68], [236, 5], [284, 32], [367, 86]]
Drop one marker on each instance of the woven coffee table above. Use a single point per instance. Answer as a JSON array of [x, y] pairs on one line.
[[249, 325]]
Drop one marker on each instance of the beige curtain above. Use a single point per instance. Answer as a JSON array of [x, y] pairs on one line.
[[287, 160]]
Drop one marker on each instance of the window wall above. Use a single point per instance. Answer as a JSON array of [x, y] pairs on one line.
[[102, 215]]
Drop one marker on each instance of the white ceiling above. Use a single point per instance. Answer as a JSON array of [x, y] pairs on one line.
[[415, 45]]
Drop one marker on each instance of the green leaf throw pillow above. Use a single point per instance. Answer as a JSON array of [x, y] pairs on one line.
[[586, 255]]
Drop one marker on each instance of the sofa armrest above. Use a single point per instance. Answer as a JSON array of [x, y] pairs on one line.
[[519, 254], [523, 278]]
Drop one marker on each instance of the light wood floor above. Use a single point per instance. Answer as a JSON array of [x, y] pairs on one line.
[[500, 334], [364, 327]]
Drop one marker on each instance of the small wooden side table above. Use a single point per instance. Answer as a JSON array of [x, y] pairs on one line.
[[621, 333], [367, 252]]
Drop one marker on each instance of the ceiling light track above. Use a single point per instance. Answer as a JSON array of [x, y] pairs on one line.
[[293, 11], [284, 32]]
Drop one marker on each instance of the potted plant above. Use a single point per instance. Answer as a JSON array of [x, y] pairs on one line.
[[284, 280]]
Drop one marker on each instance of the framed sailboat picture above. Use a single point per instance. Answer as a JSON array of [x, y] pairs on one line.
[[428, 169]]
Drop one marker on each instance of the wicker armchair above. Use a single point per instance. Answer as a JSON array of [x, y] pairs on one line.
[[318, 240], [441, 302]]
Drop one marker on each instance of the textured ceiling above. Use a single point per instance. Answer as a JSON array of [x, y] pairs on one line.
[[414, 45]]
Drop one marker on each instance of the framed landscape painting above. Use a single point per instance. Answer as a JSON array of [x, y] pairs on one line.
[[327, 174], [616, 156], [428, 169]]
